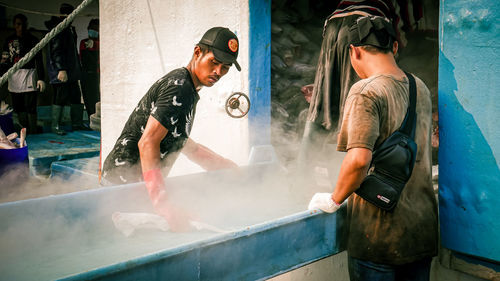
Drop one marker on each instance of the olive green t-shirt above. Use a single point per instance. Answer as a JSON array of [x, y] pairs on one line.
[[374, 109]]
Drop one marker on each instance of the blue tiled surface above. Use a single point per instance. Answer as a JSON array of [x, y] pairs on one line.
[[47, 148], [44, 113], [76, 168]]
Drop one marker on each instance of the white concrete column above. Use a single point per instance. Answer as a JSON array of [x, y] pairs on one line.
[[143, 40]]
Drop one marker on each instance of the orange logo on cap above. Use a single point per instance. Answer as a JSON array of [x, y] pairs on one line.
[[233, 45]]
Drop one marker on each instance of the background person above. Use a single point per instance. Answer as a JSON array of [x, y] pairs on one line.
[[89, 58], [63, 66], [26, 81]]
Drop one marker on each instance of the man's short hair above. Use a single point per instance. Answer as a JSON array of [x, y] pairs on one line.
[[92, 23], [375, 50], [22, 18]]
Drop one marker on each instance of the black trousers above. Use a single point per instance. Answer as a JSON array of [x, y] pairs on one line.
[[24, 102], [67, 93], [90, 91]]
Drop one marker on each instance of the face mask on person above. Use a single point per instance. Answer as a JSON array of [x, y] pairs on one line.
[[93, 33]]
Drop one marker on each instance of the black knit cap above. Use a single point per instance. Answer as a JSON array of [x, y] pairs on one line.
[[372, 30], [223, 43]]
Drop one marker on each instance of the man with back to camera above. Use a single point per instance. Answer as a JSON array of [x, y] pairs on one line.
[[397, 245], [159, 127]]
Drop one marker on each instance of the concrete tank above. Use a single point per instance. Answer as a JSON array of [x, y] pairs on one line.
[[72, 237]]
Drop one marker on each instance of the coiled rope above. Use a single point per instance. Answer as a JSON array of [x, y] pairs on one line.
[[65, 23]]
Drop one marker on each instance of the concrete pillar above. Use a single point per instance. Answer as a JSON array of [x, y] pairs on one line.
[[469, 153]]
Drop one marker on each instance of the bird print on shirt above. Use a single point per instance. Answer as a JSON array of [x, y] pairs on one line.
[[153, 107], [175, 134], [179, 82], [171, 101], [189, 122], [175, 103], [124, 141]]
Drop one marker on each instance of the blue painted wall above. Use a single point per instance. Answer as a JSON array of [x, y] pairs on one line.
[[259, 79], [469, 117]]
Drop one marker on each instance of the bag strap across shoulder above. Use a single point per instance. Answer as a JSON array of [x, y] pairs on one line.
[[408, 126]]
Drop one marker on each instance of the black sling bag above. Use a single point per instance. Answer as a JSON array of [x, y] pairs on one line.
[[392, 161]]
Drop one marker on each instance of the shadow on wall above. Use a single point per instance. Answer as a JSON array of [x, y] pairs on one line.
[[469, 176]]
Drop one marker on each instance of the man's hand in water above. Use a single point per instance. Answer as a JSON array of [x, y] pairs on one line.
[[177, 218]]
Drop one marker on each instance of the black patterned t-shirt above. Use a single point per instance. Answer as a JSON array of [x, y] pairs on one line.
[[172, 102]]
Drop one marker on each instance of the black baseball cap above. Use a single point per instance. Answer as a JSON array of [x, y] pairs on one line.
[[372, 30], [223, 43]]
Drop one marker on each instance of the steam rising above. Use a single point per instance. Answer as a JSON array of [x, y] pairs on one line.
[[56, 236]]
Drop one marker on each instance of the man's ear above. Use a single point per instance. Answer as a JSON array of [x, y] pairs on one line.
[[197, 51], [355, 51], [395, 46]]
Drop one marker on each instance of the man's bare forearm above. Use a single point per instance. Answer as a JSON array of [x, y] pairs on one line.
[[352, 172], [205, 157], [149, 153]]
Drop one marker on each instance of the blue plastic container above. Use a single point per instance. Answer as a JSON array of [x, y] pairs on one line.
[[15, 161]]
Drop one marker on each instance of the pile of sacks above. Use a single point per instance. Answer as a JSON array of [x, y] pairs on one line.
[[296, 37], [294, 57]]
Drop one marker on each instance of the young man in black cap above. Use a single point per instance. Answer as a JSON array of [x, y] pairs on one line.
[[159, 127], [397, 245]]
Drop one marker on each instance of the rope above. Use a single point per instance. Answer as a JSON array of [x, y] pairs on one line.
[[65, 23]]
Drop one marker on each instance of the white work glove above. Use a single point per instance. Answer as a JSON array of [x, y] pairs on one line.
[[324, 202], [40, 85], [62, 76], [127, 223]]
